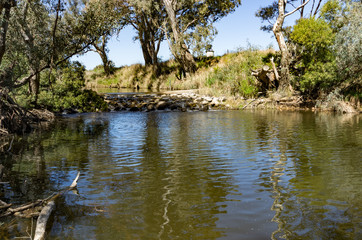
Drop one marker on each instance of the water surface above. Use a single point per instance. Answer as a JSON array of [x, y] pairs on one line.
[[194, 175]]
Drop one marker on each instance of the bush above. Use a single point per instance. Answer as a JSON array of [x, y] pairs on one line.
[[348, 47], [68, 91], [235, 77], [319, 77], [314, 64]]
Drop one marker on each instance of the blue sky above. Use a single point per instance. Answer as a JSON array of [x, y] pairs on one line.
[[235, 31]]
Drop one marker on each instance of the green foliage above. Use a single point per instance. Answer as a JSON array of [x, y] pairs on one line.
[[319, 76], [200, 40], [205, 62], [348, 47], [329, 49], [68, 91], [316, 37], [235, 78], [43, 34], [269, 14], [189, 26], [330, 12], [314, 67]]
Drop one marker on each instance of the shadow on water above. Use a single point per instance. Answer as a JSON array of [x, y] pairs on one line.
[[197, 175], [39, 164]]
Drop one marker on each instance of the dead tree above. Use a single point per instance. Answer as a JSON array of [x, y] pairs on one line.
[[266, 78]]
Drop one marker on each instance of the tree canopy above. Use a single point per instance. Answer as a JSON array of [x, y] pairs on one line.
[[192, 20]]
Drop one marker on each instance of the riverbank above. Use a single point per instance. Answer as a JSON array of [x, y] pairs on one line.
[[192, 100], [243, 80]]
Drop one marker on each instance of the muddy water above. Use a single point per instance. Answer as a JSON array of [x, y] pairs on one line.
[[193, 175]]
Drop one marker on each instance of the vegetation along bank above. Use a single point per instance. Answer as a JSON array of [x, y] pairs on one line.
[[318, 64]]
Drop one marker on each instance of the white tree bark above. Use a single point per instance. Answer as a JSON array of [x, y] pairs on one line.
[[47, 210]]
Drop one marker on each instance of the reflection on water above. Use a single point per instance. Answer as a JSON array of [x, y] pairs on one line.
[[199, 175]]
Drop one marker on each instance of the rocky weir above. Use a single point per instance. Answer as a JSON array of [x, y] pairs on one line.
[[183, 101]]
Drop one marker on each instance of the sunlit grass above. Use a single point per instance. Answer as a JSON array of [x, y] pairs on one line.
[[228, 75]]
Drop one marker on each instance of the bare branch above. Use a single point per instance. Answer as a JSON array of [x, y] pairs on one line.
[[301, 6], [188, 25], [317, 8]]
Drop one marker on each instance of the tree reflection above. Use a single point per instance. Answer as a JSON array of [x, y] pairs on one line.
[[312, 195], [39, 163], [174, 190]]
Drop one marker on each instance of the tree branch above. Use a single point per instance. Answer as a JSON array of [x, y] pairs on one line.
[[301, 6], [188, 25], [26, 79], [317, 8]]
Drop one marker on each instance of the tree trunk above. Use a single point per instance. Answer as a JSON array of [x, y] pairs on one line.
[[4, 18], [150, 39], [106, 64], [145, 49], [284, 80], [184, 57], [101, 50], [34, 85]]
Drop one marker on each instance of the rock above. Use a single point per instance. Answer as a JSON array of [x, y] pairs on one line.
[[150, 107], [204, 108], [173, 101], [174, 106], [208, 99], [134, 109], [161, 105], [215, 102]]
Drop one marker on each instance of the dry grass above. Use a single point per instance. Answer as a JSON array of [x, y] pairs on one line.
[[228, 75]]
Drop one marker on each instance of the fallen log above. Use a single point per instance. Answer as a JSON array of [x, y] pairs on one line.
[[47, 210], [42, 220]]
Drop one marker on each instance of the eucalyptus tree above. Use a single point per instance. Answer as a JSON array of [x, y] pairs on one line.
[[192, 19], [275, 14], [113, 12], [45, 33], [5, 8], [147, 18], [29, 25]]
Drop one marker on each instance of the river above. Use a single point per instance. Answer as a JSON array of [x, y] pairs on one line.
[[192, 175]]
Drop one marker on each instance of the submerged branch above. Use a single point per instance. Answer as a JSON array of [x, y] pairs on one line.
[[47, 210]]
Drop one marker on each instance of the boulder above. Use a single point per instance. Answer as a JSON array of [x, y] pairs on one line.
[[161, 105]]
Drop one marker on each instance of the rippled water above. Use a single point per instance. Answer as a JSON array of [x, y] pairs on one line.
[[194, 175]]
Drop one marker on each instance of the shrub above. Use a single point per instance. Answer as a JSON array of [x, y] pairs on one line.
[[235, 76], [67, 91], [314, 64]]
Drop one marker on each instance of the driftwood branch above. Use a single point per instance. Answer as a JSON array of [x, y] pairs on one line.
[[44, 213], [42, 220], [47, 210], [249, 103]]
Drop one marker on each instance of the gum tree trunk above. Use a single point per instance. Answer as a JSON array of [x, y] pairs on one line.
[[181, 51], [5, 7], [101, 50], [284, 81]]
